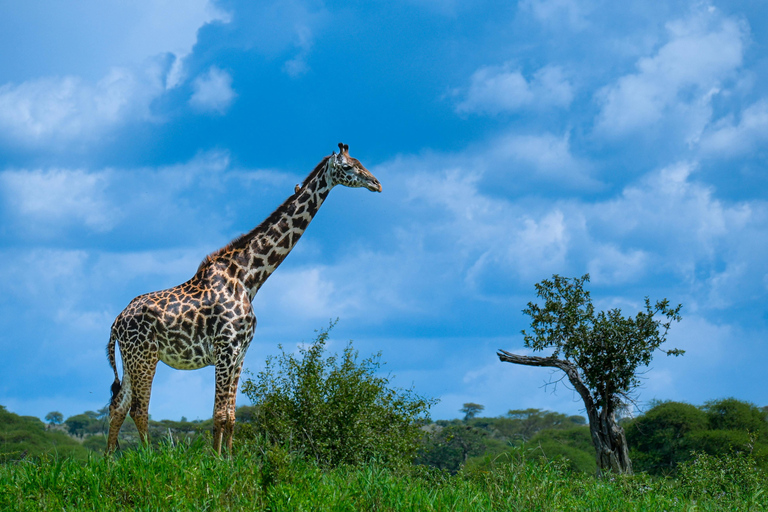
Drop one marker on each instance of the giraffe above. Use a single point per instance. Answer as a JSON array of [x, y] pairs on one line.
[[209, 320]]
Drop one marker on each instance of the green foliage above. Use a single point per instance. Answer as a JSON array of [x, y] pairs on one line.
[[449, 445], [607, 347], [660, 439], [86, 423], [669, 434], [448, 448], [24, 437], [334, 410], [54, 418], [523, 424], [732, 414], [471, 409], [572, 445], [725, 479]]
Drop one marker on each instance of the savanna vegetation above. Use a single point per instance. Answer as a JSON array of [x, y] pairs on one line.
[[329, 432]]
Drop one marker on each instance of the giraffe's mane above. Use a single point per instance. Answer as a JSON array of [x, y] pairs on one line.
[[242, 240]]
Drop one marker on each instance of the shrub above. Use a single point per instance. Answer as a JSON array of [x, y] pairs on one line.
[[334, 409], [724, 478], [661, 438], [573, 445], [732, 414], [669, 433], [449, 448]]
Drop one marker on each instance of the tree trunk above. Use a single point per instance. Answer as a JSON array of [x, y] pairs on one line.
[[611, 454]]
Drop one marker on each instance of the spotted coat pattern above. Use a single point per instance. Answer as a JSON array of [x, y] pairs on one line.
[[209, 319]]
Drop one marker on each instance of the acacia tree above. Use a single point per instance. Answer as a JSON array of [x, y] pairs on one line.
[[471, 410], [600, 354], [54, 418]]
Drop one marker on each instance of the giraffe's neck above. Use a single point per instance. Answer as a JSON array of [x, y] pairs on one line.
[[252, 258]]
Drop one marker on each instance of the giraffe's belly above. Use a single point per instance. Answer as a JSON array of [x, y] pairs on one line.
[[186, 356]]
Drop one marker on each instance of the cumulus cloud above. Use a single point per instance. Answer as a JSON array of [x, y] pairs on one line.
[[668, 204], [676, 84], [612, 265], [733, 137], [544, 156], [76, 110], [497, 89], [58, 111], [287, 30], [47, 199], [569, 12], [665, 223], [141, 203], [499, 241], [212, 91]]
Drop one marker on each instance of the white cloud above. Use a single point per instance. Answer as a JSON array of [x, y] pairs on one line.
[[213, 91], [729, 137], [52, 198], [666, 223], [569, 12], [611, 265], [307, 292], [171, 26], [543, 157], [90, 37], [76, 110], [61, 111], [285, 28], [496, 89], [676, 84], [298, 66], [668, 205]]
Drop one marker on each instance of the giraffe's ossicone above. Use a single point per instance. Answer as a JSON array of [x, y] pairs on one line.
[[209, 319]]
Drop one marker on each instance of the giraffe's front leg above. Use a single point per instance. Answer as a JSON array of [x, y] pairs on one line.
[[230, 352], [229, 365], [229, 429], [224, 375]]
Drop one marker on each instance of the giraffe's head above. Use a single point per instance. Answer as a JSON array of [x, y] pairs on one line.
[[349, 172]]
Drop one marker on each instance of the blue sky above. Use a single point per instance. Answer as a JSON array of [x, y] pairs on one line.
[[513, 140]]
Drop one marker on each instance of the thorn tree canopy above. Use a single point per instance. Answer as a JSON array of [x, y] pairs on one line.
[[600, 354]]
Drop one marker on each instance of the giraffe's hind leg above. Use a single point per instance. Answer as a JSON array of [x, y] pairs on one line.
[[141, 379], [118, 408]]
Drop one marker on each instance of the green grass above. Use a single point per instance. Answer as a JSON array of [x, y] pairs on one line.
[[191, 477]]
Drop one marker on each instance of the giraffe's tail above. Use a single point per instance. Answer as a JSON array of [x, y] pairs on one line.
[[111, 356]]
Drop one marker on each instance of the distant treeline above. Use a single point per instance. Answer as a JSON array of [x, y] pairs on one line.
[[668, 434]]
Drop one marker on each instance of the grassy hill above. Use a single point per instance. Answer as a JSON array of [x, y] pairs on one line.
[[24, 437]]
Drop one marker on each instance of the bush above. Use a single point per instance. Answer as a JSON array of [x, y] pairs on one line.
[[335, 410], [732, 414], [669, 433], [449, 448], [661, 438], [573, 445], [725, 478]]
